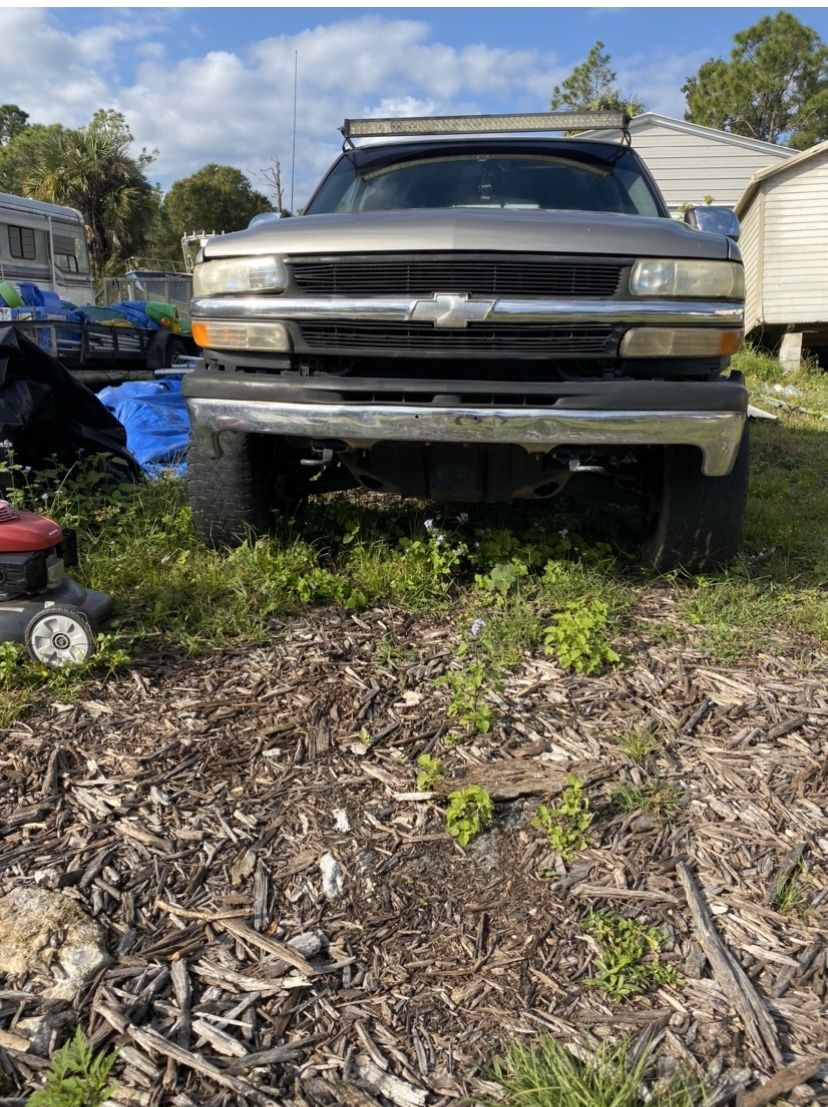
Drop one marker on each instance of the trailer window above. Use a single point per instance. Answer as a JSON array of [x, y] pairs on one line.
[[70, 250], [22, 243]]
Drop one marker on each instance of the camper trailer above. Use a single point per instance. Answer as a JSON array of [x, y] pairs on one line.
[[45, 244]]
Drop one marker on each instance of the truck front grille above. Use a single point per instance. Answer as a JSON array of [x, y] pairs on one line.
[[477, 338], [490, 276]]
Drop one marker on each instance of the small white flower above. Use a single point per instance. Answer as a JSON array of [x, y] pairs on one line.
[[5, 444], [463, 517], [428, 524], [477, 626], [563, 533]]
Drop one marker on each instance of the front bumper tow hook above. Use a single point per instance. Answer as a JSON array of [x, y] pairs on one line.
[[325, 458]]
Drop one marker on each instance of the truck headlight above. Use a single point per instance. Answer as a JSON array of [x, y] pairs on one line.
[[686, 277], [228, 275]]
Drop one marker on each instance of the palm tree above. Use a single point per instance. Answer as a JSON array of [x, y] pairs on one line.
[[91, 170]]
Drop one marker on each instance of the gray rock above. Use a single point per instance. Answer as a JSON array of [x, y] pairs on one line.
[[306, 943], [48, 933], [42, 1031]]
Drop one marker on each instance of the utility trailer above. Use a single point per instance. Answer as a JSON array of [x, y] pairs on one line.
[[45, 271], [98, 354]]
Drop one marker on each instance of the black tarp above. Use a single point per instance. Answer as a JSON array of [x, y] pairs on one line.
[[48, 415]]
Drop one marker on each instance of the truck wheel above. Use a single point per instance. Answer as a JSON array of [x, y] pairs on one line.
[[699, 518], [239, 495], [174, 348]]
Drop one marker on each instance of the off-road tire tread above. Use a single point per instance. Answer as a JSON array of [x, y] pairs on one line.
[[233, 497], [700, 518]]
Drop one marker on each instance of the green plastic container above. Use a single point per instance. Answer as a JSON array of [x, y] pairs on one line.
[[10, 295]]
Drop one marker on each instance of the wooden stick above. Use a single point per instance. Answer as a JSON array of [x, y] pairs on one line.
[[609, 892], [404, 1095], [729, 974], [183, 997], [269, 945], [799, 1072], [152, 1040], [15, 1042], [202, 916]]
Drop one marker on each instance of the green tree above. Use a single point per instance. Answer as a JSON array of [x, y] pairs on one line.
[[91, 169], [20, 153], [591, 87], [216, 198], [114, 123], [12, 121], [775, 86]]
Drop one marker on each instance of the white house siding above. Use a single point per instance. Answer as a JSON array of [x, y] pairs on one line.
[[795, 262], [751, 250], [688, 167]]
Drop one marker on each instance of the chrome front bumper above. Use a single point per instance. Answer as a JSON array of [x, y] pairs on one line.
[[401, 309], [716, 433]]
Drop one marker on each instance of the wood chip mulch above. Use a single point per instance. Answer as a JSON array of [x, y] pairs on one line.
[[290, 923]]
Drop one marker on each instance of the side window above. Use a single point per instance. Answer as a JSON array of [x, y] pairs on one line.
[[65, 256], [70, 248], [22, 243]]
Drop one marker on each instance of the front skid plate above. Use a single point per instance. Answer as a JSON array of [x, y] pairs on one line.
[[716, 433]]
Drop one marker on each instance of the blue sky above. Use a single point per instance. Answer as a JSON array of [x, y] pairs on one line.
[[216, 84]]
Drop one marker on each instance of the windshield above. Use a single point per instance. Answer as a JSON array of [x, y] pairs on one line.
[[497, 180]]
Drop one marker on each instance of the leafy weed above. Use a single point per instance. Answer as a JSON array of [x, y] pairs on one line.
[[469, 812], [567, 824]]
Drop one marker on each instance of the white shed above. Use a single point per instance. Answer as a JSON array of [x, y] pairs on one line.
[[692, 163], [784, 243]]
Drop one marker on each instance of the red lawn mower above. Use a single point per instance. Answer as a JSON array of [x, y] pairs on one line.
[[53, 616]]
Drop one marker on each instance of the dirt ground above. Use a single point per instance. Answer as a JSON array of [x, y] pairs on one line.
[[290, 923]]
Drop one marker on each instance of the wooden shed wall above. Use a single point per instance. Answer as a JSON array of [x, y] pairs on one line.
[[794, 284], [750, 245]]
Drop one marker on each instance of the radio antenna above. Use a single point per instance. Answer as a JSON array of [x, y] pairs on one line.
[[293, 153]]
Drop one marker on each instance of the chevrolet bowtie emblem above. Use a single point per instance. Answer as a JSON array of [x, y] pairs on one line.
[[451, 309]]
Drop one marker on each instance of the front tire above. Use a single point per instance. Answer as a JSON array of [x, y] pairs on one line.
[[699, 518], [59, 636], [241, 493]]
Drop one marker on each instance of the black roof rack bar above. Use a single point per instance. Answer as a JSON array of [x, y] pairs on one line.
[[483, 124]]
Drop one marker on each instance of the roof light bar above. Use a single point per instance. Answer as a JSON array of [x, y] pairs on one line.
[[478, 124]]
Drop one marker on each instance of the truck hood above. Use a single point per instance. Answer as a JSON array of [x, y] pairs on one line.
[[463, 229]]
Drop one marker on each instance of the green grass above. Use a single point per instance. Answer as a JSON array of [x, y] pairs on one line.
[[792, 894], [651, 796], [545, 1074], [508, 579], [640, 744]]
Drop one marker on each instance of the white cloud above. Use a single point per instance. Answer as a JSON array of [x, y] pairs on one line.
[[236, 107], [656, 79], [407, 106]]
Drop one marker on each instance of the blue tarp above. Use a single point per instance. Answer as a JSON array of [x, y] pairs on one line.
[[155, 417], [128, 311]]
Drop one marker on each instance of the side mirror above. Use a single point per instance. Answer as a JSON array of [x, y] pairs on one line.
[[713, 220], [264, 217]]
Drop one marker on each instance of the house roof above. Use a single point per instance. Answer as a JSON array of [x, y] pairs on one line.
[[771, 170], [648, 118]]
